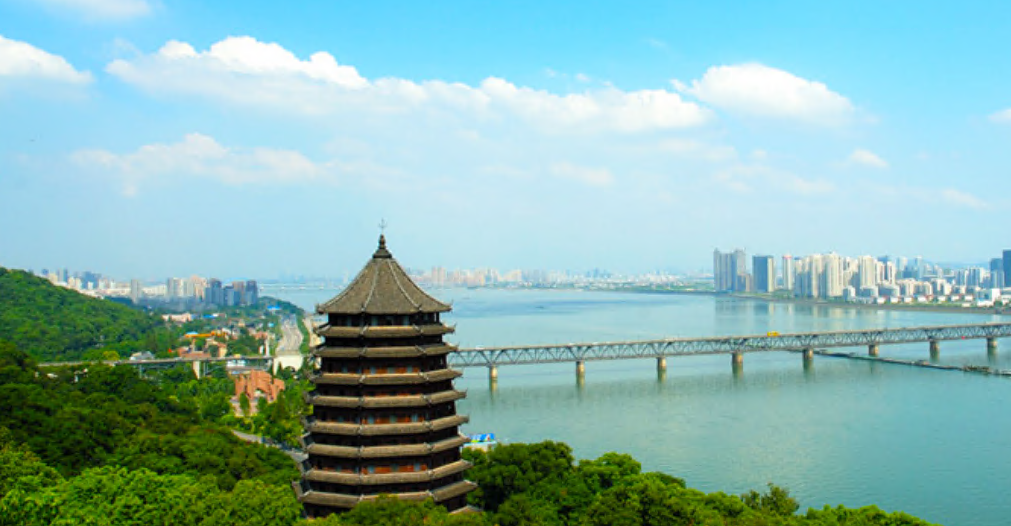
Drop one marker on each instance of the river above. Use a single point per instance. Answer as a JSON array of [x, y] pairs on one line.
[[936, 444]]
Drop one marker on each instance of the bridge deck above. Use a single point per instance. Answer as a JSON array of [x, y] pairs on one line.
[[624, 350]]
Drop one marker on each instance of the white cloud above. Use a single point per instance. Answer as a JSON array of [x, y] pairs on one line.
[[751, 177], [198, 155], [693, 149], [23, 60], [762, 91], [242, 70], [101, 9], [582, 174], [960, 198], [866, 158], [1003, 116]]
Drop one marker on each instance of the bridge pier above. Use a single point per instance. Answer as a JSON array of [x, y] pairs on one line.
[[872, 350], [493, 372], [661, 364], [580, 370], [197, 369], [991, 345], [808, 354], [737, 358], [935, 349]]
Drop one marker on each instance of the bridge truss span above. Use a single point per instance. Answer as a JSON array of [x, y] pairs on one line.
[[625, 350]]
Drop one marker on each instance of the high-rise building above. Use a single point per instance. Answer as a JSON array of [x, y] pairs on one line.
[[384, 409], [721, 271], [764, 268], [252, 293], [1007, 265], [789, 272], [832, 279], [975, 278], [739, 268], [136, 290], [730, 271], [214, 294], [868, 272]]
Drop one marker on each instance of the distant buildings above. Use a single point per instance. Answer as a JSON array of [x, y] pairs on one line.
[[175, 292], [1007, 264], [864, 279], [731, 271], [765, 273], [789, 272]]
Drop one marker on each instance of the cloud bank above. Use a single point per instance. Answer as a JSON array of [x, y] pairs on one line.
[[20, 60], [245, 71], [761, 91], [201, 156]]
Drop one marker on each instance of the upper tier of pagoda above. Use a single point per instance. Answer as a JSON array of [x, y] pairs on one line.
[[382, 287]]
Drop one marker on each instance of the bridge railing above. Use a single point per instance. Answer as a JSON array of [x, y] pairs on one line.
[[621, 350]]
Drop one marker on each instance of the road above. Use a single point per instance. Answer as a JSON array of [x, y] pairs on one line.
[[287, 351], [296, 454]]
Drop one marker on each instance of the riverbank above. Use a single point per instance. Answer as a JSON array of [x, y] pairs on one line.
[[913, 307]]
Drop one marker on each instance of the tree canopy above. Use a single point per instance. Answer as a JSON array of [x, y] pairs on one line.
[[52, 323]]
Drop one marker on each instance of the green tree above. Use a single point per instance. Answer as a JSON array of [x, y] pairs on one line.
[[515, 468], [20, 467], [244, 404], [387, 510], [775, 501]]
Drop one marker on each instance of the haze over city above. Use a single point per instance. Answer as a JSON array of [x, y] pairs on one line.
[[237, 139]]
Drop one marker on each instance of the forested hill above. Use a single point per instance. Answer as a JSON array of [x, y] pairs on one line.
[[55, 324]]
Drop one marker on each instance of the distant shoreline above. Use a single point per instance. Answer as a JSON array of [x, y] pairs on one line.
[[910, 307]]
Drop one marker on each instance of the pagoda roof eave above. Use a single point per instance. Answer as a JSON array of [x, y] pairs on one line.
[[382, 288]]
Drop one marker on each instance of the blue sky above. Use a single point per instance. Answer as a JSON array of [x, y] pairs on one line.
[[153, 138]]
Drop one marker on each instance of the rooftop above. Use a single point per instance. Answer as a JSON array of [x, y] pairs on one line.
[[382, 287]]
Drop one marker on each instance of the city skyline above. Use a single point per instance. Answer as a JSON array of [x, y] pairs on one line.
[[787, 127]]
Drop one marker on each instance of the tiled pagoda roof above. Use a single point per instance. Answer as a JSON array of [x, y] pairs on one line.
[[382, 287]]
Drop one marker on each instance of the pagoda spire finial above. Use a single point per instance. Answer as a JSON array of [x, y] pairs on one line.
[[381, 252]]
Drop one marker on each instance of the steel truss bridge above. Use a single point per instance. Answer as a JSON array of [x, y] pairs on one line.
[[493, 357]]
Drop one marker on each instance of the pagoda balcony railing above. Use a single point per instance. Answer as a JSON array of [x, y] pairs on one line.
[[313, 425], [372, 479], [344, 500], [384, 331], [439, 375], [301, 487], [404, 351], [375, 402], [403, 450]]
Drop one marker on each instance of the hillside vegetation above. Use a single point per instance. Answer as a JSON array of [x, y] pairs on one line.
[[52, 323]]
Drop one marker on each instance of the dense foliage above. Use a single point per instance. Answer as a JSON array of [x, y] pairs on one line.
[[55, 324], [79, 419]]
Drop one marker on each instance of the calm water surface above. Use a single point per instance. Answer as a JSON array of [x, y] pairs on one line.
[[936, 444]]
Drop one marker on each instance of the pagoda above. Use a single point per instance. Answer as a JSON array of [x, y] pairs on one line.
[[383, 405]]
